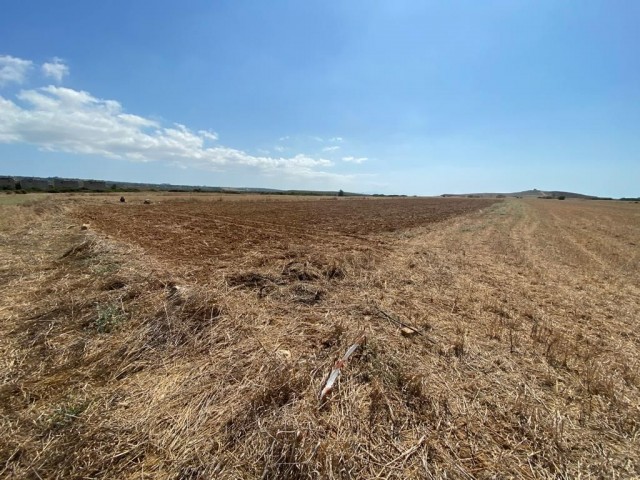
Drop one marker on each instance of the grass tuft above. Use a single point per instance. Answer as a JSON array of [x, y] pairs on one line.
[[109, 317]]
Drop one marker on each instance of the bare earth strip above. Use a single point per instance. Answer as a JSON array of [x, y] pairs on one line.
[[190, 339]]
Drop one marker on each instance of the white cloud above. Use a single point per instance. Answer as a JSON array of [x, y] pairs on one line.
[[55, 69], [354, 159], [331, 149], [13, 70], [66, 120], [336, 139], [213, 136]]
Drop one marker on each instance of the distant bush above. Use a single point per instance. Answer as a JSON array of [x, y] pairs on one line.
[[561, 197]]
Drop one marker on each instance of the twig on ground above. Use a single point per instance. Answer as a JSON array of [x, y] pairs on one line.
[[402, 324], [407, 453], [335, 373]]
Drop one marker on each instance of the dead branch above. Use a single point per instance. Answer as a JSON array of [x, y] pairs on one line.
[[335, 373]]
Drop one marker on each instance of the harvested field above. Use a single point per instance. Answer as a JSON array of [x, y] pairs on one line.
[[191, 338]]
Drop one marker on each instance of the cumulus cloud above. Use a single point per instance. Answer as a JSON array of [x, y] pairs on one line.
[[61, 119], [66, 120], [55, 69], [354, 159], [13, 70]]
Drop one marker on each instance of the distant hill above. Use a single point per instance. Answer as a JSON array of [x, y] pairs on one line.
[[553, 193], [534, 193]]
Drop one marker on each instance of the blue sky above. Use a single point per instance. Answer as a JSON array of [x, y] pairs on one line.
[[392, 97]]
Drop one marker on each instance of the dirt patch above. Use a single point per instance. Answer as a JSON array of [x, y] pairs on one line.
[[203, 236]]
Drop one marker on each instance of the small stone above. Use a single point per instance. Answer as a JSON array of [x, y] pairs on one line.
[[407, 332]]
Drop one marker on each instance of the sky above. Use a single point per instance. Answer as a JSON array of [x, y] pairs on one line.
[[395, 97]]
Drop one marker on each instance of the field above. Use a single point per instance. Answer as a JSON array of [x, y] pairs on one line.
[[190, 338], [224, 233]]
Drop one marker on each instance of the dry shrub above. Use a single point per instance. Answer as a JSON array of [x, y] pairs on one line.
[[302, 293], [302, 271]]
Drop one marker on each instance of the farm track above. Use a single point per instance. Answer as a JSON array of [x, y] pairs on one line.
[[526, 366]]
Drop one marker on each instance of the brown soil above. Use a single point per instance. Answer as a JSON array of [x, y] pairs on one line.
[[208, 235], [190, 338]]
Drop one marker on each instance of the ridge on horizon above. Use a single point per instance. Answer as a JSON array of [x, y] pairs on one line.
[[117, 185]]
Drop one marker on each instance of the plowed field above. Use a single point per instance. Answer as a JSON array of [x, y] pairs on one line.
[[206, 233]]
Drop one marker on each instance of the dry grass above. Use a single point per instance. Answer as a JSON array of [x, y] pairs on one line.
[[117, 363]]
